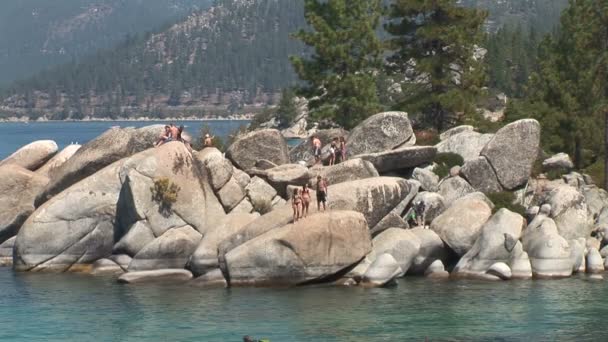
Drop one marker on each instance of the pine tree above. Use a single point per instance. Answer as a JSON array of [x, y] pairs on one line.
[[340, 73], [287, 109], [434, 44]]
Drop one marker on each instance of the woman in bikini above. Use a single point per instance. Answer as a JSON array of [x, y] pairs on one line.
[[342, 149], [305, 200], [296, 203]]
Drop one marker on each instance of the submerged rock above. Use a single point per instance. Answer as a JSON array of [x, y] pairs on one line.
[[167, 275]]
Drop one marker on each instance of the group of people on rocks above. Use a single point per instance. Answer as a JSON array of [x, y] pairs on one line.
[[173, 133], [300, 199], [337, 150]]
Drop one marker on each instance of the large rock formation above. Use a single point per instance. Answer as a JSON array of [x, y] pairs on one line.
[[460, 225], [402, 158], [349, 170], [454, 188], [33, 155], [467, 144], [310, 250], [479, 173], [550, 254], [569, 211], [111, 146], [266, 144], [379, 133], [513, 151], [18, 189], [58, 160], [491, 246]]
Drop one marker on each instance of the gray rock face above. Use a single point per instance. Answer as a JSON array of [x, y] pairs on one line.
[[231, 194], [241, 177], [479, 173], [454, 188], [291, 174], [491, 246], [513, 151], [171, 250], [428, 180], [460, 225], [73, 228], [349, 170], [466, 144], [596, 199], [156, 276], [138, 236], [205, 257], [433, 203], [212, 163], [595, 264], [569, 210], [431, 249], [57, 160], [500, 270], [257, 145], [6, 252], [560, 161], [308, 250], [111, 146], [392, 220], [379, 133], [550, 254], [456, 130], [382, 271], [260, 192], [401, 244], [436, 270], [303, 151], [33, 155], [519, 262], [18, 190], [401, 158]]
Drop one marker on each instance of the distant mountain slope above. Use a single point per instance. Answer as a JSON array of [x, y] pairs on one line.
[[35, 34], [232, 54]]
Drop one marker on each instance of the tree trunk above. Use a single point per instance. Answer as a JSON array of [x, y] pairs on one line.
[[605, 182]]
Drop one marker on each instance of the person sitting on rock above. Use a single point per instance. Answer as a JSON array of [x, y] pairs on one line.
[[296, 203], [165, 137], [321, 193], [208, 142], [305, 200], [174, 131], [316, 148]]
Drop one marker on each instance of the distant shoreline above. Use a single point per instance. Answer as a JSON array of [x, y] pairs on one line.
[[143, 119]]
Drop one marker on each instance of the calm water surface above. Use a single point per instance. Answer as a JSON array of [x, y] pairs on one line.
[[15, 135], [68, 307]]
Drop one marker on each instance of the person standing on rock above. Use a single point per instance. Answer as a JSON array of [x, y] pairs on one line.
[[420, 208], [321, 193], [305, 200], [296, 204], [342, 149], [316, 148], [333, 149]]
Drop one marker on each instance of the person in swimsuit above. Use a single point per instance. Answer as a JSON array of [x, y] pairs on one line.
[[333, 149], [321, 193], [316, 149], [305, 200], [342, 149], [296, 203], [165, 137], [174, 131], [208, 142]]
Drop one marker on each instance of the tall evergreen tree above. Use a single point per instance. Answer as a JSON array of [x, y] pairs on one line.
[[340, 73], [434, 44], [287, 109]]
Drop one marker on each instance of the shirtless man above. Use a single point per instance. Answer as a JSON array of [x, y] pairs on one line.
[[316, 149], [174, 132], [164, 137], [208, 142], [321, 193]]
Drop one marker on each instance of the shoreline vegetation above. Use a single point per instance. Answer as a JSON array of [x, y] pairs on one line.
[[236, 117]]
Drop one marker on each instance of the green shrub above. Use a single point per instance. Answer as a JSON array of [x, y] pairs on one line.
[[164, 192], [446, 161], [506, 200]]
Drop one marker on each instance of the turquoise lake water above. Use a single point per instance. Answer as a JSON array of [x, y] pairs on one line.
[[70, 307], [15, 135]]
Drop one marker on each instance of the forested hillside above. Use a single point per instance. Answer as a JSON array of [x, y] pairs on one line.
[[216, 60], [35, 34]]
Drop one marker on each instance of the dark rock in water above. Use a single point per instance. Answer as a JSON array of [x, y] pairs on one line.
[[479, 173], [380, 133], [303, 151], [312, 249], [513, 151], [167, 275], [18, 189], [266, 144], [32, 156], [401, 158], [111, 146]]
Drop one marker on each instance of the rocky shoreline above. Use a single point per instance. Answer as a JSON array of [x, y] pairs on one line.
[[25, 119], [119, 206]]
